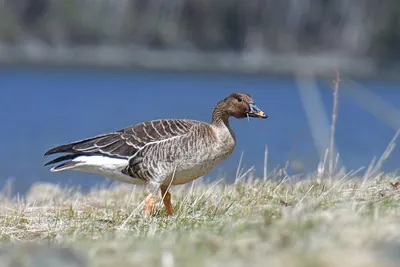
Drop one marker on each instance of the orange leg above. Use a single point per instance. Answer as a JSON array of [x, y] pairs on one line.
[[167, 200], [148, 208]]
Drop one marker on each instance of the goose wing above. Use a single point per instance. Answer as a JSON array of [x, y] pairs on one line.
[[124, 143]]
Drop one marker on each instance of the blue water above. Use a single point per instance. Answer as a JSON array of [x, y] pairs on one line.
[[41, 108]]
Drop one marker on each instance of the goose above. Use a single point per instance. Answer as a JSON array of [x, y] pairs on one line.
[[159, 153]]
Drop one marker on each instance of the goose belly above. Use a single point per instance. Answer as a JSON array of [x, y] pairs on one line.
[[192, 168]]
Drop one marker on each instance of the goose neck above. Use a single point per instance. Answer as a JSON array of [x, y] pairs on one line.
[[220, 118]]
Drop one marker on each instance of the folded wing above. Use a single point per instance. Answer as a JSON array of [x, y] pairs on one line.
[[124, 143]]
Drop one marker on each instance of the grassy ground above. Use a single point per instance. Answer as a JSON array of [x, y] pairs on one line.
[[315, 222]]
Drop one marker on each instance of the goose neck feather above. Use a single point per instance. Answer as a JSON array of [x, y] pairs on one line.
[[220, 116]]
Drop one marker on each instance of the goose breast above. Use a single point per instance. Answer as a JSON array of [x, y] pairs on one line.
[[184, 158]]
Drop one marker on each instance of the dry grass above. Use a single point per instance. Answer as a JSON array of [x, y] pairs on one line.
[[333, 222]]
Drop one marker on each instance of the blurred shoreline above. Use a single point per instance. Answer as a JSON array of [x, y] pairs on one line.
[[313, 37], [254, 63]]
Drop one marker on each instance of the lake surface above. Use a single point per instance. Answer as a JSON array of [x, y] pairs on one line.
[[41, 108]]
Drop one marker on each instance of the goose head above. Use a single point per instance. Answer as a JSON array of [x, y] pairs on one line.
[[238, 105]]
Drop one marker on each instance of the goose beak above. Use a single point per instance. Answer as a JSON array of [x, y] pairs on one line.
[[256, 112]]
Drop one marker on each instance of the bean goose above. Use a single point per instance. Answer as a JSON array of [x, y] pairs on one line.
[[159, 152]]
